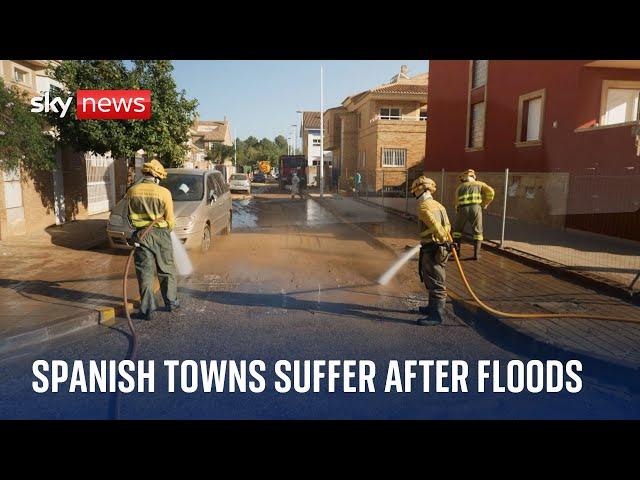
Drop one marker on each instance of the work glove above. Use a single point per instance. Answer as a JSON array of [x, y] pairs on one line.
[[449, 246]]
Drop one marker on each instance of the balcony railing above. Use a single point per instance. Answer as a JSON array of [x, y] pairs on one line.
[[412, 118]]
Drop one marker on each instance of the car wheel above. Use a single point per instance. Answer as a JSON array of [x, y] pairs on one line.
[[206, 239], [227, 229]]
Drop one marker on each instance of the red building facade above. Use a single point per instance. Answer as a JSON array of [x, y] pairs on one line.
[[572, 117]]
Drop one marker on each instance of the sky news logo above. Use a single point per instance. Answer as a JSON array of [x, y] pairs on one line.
[[99, 104]]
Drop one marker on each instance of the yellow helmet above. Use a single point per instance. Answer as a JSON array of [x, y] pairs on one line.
[[155, 168], [421, 184], [467, 173]]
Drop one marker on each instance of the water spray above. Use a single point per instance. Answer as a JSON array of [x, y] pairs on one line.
[[389, 274]]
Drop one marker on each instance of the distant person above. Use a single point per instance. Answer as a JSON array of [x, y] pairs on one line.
[[357, 184], [472, 196], [303, 184], [295, 186]]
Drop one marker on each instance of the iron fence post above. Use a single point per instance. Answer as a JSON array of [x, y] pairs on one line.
[[382, 190], [504, 205]]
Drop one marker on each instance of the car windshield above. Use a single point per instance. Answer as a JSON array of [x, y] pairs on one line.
[[238, 177], [184, 187]]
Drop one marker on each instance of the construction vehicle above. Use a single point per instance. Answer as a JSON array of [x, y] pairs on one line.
[[264, 166], [287, 164]]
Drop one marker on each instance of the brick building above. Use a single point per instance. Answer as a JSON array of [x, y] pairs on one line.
[[380, 131], [203, 134], [82, 184], [563, 128]]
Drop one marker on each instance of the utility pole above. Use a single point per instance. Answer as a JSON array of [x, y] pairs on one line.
[[295, 143], [321, 133]]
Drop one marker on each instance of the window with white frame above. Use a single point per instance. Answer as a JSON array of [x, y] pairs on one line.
[[423, 115], [316, 142], [20, 76], [530, 117], [388, 113], [394, 157], [620, 100]]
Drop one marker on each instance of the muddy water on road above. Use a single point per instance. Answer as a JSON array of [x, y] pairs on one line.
[[283, 251]]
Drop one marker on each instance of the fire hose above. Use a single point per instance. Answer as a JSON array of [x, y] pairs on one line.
[[134, 336], [499, 313]]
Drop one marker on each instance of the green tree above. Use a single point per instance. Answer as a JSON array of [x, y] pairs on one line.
[[251, 150], [219, 152], [281, 142], [24, 139], [164, 135]]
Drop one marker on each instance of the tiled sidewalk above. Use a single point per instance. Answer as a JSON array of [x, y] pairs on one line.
[[512, 286]]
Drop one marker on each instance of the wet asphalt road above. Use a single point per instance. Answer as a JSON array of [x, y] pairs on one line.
[[292, 282]]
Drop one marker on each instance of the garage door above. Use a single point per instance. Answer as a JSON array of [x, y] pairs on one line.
[[101, 192]]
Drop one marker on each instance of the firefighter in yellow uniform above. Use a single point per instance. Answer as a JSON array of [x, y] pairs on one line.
[[471, 197], [435, 249], [147, 202]]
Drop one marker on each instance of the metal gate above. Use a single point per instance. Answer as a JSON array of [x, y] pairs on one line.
[[101, 191]]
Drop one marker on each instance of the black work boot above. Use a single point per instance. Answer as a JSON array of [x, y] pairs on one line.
[[424, 310], [477, 246], [144, 316], [173, 306], [436, 314]]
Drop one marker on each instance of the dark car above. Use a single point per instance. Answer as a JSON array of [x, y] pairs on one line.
[[259, 177]]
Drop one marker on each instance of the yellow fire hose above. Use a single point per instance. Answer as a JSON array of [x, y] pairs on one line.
[[499, 313]]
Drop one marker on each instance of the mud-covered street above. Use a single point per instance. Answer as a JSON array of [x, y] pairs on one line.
[[294, 282]]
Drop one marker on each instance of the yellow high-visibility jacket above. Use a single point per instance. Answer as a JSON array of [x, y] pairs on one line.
[[472, 192], [434, 222], [148, 201]]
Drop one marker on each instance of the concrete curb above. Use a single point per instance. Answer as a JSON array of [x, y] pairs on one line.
[[98, 315], [508, 337], [15, 343]]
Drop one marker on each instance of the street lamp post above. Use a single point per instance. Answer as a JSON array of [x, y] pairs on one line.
[[321, 134], [301, 133]]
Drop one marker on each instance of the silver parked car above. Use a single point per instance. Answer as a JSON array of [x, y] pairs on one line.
[[240, 182], [201, 203]]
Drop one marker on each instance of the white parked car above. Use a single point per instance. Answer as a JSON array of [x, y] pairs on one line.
[[239, 182]]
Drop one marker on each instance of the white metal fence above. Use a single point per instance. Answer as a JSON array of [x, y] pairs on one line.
[[589, 224]]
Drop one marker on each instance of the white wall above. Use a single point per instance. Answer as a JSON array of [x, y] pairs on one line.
[[43, 83], [313, 152]]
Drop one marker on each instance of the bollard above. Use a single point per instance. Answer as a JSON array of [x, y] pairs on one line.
[[504, 205], [406, 193]]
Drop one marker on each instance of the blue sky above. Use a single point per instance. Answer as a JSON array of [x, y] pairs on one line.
[[260, 97]]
